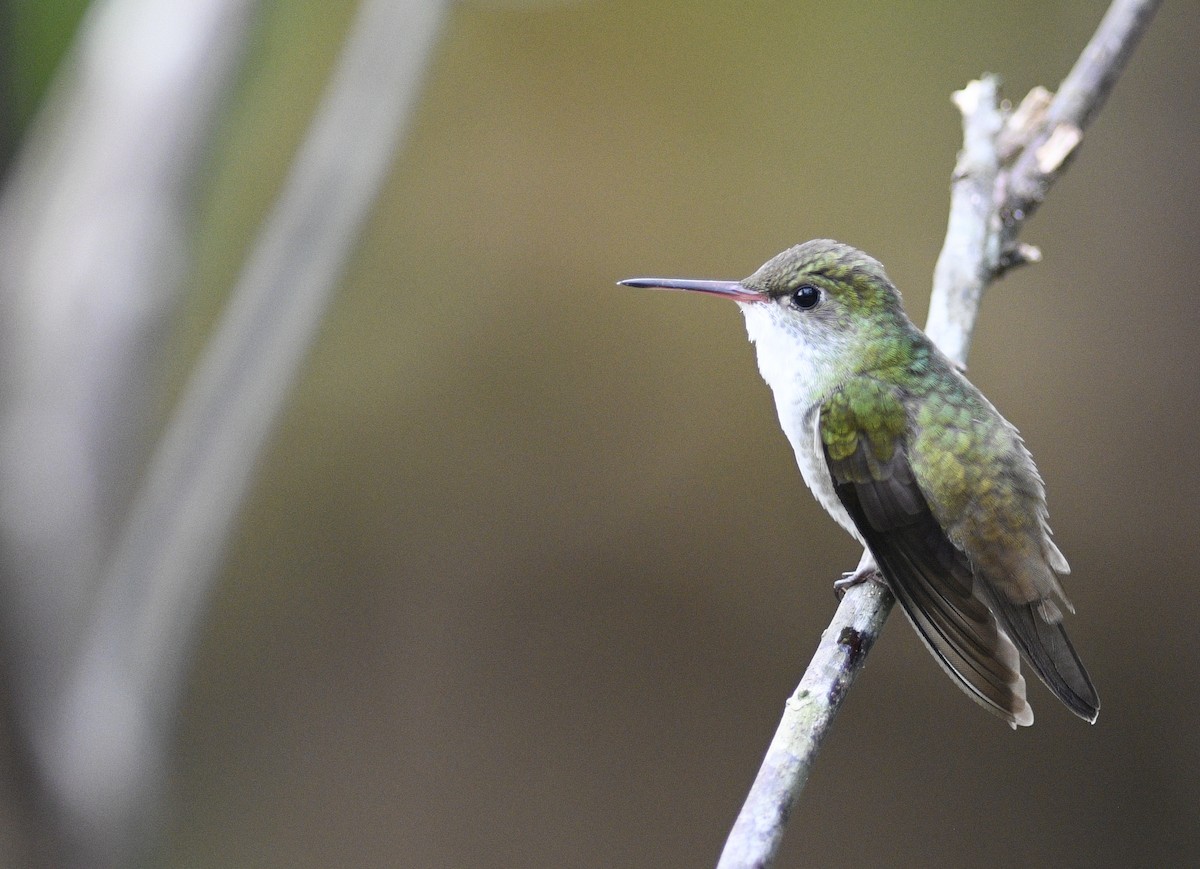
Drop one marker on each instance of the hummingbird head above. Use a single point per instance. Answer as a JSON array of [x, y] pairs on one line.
[[817, 312]]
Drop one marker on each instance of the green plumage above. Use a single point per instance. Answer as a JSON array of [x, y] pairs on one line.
[[946, 497]]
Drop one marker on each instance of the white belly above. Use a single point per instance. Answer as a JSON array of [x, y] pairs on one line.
[[800, 426]]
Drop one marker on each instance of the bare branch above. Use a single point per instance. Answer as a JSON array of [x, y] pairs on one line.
[[965, 264], [758, 831], [989, 204]]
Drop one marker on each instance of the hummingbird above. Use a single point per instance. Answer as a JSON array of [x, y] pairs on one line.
[[918, 466]]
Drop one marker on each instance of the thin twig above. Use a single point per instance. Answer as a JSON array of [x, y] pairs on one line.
[[989, 204], [1080, 96]]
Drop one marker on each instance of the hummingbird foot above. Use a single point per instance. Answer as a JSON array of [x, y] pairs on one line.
[[867, 571]]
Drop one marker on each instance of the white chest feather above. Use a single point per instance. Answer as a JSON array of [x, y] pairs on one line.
[[801, 376]]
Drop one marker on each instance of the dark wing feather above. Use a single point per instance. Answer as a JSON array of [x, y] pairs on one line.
[[931, 578]]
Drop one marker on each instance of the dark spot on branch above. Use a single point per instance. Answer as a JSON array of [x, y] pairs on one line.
[[852, 640]]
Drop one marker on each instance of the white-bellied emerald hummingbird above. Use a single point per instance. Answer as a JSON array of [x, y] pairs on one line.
[[912, 460]]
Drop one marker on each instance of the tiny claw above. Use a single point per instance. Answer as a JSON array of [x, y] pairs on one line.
[[865, 572], [849, 579]]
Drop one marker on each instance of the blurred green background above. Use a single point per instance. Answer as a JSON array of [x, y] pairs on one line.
[[529, 571]]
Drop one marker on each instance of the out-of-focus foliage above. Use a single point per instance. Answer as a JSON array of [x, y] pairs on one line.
[[33, 36]]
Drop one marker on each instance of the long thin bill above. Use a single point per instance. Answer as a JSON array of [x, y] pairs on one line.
[[726, 289]]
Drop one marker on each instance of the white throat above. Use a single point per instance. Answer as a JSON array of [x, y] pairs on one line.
[[800, 367], [802, 372]]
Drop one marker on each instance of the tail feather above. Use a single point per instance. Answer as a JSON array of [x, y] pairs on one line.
[[1046, 647]]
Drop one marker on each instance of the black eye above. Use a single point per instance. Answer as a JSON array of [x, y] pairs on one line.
[[805, 297]]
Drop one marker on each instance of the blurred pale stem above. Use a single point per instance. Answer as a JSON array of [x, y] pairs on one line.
[[93, 219], [1002, 175], [103, 733]]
